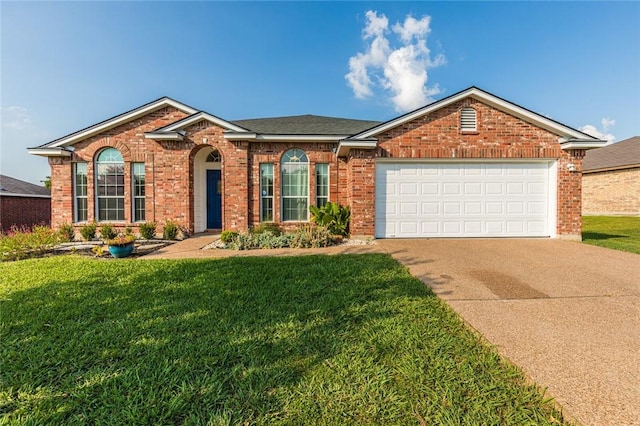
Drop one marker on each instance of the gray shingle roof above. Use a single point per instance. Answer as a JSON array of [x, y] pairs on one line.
[[306, 125], [13, 186], [620, 155]]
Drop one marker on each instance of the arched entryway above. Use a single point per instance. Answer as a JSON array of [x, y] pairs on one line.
[[207, 185]]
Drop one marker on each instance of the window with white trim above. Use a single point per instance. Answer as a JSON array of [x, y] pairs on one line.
[[468, 120], [266, 192], [322, 184], [138, 191], [80, 206], [109, 185], [294, 173]]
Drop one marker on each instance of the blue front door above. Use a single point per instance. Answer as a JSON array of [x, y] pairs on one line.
[[214, 200]]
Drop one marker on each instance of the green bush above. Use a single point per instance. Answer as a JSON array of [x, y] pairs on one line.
[[107, 231], [67, 232], [170, 230], [148, 230], [128, 230], [88, 231], [332, 216], [270, 227], [228, 236], [308, 236]]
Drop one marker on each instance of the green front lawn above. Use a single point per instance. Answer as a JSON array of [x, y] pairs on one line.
[[333, 340], [616, 232]]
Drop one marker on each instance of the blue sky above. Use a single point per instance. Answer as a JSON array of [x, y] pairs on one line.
[[68, 65]]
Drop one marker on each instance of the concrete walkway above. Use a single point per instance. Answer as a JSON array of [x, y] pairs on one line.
[[567, 313]]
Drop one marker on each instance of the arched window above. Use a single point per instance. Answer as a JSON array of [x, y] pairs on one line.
[[109, 185], [468, 120], [213, 157], [294, 171]]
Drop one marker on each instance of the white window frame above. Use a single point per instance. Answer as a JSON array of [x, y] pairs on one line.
[[293, 154], [134, 197], [264, 195], [98, 197], [76, 197], [327, 186]]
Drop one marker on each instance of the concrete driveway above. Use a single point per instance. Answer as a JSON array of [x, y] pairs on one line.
[[567, 313]]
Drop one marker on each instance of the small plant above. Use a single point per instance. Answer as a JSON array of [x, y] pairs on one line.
[[88, 231], [148, 230], [332, 216], [228, 236], [107, 231], [98, 251], [170, 230], [121, 240], [309, 236], [67, 232], [128, 231]]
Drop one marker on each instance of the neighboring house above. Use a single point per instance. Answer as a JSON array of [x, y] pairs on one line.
[[611, 179], [23, 204], [469, 165]]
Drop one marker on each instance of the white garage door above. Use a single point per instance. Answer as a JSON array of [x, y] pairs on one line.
[[466, 199]]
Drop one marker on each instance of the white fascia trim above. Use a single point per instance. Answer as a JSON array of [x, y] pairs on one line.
[[164, 136], [109, 124], [239, 136], [566, 144], [186, 122], [345, 146], [486, 98], [49, 152], [12, 194]]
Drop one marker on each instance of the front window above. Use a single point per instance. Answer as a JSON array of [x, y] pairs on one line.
[[80, 192], [110, 185], [138, 182], [266, 192], [322, 184], [295, 185]]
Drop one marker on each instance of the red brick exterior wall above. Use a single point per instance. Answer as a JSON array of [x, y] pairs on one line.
[[170, 167], [24, 212], [614, 192]]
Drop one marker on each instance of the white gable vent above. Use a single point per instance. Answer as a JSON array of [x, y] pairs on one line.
[[468, 120]]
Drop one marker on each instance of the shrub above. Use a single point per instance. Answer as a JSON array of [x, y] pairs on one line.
[[228, 236], [308, 236], [128, 230], [21, 243], [148, 230], [67, 232], [107, 232], [170, 230], [332, 216], [270, 227], [88, 231]]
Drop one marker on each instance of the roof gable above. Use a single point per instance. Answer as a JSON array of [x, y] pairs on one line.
[[563, 131], [112, 122], [619, 155]]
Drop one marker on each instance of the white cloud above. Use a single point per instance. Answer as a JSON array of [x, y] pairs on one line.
[[403, 71], [603, 134], [15, 117]]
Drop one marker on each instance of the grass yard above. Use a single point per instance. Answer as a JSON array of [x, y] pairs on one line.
[[326, 340], [616, 232]]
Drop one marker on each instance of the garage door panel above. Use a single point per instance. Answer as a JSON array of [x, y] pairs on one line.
[[462, 199]]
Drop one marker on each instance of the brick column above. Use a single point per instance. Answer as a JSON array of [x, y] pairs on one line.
[[61, 191], [569, 200], [236, 187], [361, 181]]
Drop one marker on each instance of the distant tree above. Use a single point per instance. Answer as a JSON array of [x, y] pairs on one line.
[[47, 182]]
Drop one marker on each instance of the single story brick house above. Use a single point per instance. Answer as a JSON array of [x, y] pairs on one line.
[[611, 179], [469, 165], [23, 204]]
